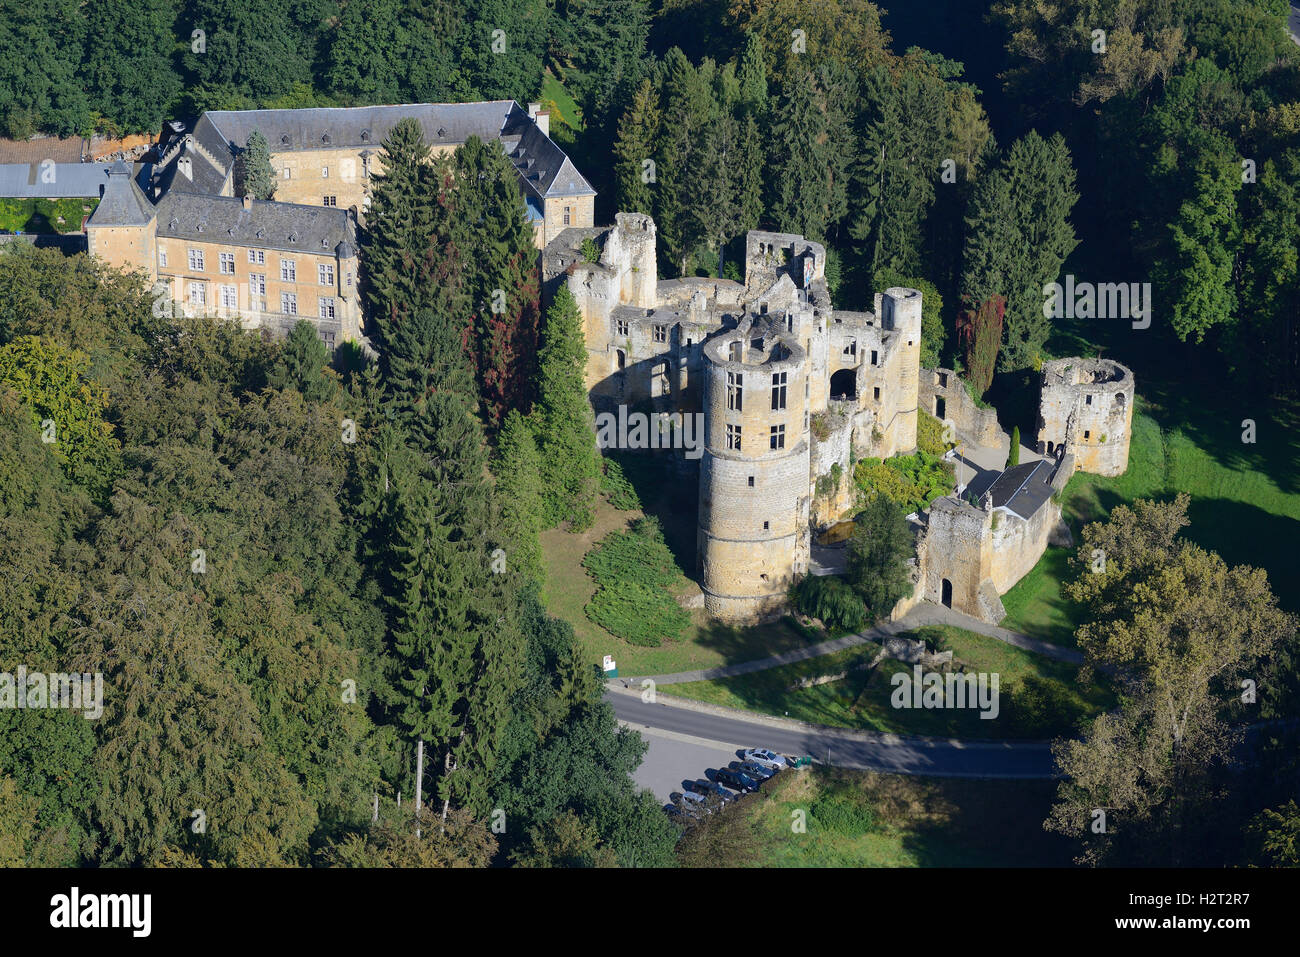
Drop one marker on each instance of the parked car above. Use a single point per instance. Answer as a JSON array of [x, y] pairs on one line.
[[755, 770], [769, 759], [737, 780], [706, 787], [689, 797]]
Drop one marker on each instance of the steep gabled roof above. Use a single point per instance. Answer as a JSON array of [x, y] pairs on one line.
[[123, 202], [1023, 488]]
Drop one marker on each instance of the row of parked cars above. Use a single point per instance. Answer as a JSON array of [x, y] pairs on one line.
[[721, 786]]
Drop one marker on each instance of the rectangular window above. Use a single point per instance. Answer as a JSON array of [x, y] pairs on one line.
[[286, 172], [873, 357], [324, 172], [734, 394], [330, 200], [751, 481], [566, 215], [162, 257], [1087, 434], [777, 439], [196, 260], [349, 280], [620, 327], [257, 257], [288, 270], [257, 284], [328, 339], [1087, 400], [325, 274], [289, 303], [226, 263], [733, 438], [661, 333], [851, 347], [778, 390], [229, 297], [198, 294], [326, 307], [876, 394]]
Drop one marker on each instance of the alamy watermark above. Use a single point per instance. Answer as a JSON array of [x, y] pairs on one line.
[[37, 690], [1107, 300], [656, 430], [933, 690]]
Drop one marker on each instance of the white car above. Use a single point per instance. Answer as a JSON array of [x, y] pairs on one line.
[[768, 759]]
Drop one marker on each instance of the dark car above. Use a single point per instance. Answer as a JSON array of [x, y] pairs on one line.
[[754, 770], [737, 780], [709, 788]]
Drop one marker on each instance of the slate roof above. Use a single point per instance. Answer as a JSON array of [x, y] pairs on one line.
[[123, 202], [543, 167], [26, 180], [266, 224], [1023, 488]]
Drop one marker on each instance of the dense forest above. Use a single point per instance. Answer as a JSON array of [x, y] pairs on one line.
[[301, 577]]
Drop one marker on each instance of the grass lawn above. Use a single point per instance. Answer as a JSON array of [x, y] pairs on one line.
[[862, 698], [865, 819], [1245, 499], [705, 644]]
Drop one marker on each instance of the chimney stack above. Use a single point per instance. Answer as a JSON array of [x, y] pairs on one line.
[[248, 201]]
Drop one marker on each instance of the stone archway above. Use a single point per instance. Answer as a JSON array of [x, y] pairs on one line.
[[945, 593]]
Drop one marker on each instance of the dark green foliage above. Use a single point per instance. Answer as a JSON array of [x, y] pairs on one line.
[[614, 483], [980, 333], [563, 420], [303, 365], [253, 169], [881, 546], [501, 277], [911, 482], [1013, 459], [832, 600], [518, 469], [634, 571]]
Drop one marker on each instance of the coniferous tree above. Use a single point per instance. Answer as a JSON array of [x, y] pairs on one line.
[[563, 420], [638, 136], [501, 277], [517, 465], [257, 178], [302, 364]]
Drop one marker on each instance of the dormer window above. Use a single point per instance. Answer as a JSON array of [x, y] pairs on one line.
[[325, 138], [365, 136], [284, 140], [441, 132]]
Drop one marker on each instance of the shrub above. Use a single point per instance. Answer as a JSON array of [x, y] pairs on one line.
[[1015, 447], [929, 434], [633, 570], [620, 492], [911, 482], [590, 251], [832, 600]]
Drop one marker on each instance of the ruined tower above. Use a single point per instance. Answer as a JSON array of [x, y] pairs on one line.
[[754, 495], [1087, 406]]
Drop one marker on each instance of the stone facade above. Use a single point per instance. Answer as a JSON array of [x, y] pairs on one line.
[[943, 394], [1087, 406], [759, 359]]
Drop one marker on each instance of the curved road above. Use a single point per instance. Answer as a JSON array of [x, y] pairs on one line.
[[862, 750]]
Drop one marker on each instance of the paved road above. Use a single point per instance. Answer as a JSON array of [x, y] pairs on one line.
[[847, 749]]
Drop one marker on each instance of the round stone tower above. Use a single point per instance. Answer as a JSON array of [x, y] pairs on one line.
[[754, 496], [1087, 406]]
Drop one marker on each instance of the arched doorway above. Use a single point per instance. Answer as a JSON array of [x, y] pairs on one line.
[[844, 384], [946, 593], [620, 359]]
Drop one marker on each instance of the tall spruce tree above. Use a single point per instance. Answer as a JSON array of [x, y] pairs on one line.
[[257, 178], [638, 136], [501, 277], [517, 465], [562, 418]]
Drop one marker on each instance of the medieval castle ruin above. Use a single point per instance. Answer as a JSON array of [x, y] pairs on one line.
[[793, 391]]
